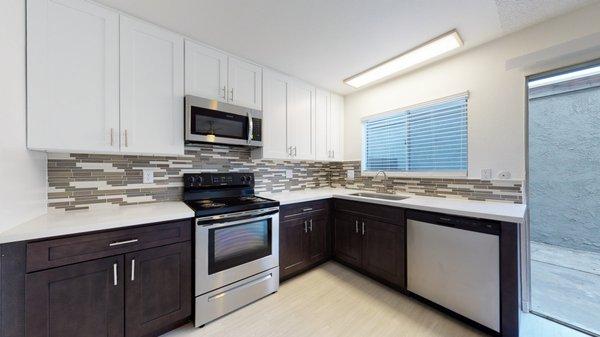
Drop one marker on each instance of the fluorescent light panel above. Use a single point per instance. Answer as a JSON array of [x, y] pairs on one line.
[[564, 77], [436, 47]]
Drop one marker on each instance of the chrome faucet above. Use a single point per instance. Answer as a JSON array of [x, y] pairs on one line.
[[380, 171], [384, 188]]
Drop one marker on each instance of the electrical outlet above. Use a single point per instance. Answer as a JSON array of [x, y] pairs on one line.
[[289, 174], [504, 175], [350, 175], [486, 174], [148, 176]]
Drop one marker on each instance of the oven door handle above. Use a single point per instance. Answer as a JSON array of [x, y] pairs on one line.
[[211, 225]]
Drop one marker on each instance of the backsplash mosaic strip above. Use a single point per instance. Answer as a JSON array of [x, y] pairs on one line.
[[83, 181], [473, 189]]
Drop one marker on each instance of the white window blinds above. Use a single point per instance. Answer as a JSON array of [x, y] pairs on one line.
[[426, 138]]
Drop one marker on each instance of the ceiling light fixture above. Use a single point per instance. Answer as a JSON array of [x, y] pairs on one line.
[[427, 51]]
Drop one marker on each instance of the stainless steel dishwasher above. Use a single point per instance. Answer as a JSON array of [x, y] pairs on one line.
[[455, 262]]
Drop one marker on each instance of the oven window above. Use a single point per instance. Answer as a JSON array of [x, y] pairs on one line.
[[208, 122], [235, 245]]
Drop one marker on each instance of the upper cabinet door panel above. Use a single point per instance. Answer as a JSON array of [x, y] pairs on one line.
[[301, 120], [336, 129], [151, 89], [72, 76], [322, 127], [275, 110], [245, 84], [205, 72]]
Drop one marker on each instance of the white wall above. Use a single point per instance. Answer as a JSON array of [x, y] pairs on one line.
[[22, 173], [497, 101]]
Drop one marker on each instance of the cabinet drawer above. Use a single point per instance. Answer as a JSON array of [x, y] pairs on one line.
[[302, 209], [58, 252], [394, 215]]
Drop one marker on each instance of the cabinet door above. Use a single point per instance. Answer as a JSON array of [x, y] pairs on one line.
[[83, 299], [72, 76], [245, 84], [347, 239], [205, 72], [293, 246], [301, 120], [275, 111], [318, 239], [322, 125], [336, 127], [158, 288], [383, 251], [151, 89]]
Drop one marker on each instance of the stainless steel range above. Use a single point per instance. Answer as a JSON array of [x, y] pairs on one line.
[[237, 243]]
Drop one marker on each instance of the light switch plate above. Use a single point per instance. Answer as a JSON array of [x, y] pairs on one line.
[[486, 174], [350, 175], [148, 176], [289, 174]]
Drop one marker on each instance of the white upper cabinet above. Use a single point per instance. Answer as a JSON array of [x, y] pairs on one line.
[[322, 125], [244, 84], [205, 72], [72, 76], [336, 128], [301, 120], [212, 74], [275, 111], [152, 82]]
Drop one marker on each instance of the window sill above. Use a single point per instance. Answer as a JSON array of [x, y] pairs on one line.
[[446, 175]]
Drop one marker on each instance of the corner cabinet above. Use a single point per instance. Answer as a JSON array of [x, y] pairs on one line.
[[83, 91], [371, 238], [212, 74], [140, 286], [329, 119], [288, 118]]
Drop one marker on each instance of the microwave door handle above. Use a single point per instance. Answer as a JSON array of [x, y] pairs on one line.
[[250, 128]]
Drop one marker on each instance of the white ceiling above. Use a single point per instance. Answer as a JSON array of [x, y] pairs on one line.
[[326, 41]]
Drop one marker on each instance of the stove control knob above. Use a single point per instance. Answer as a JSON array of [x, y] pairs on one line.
[[243, 179], [198, 181], [248, 178]]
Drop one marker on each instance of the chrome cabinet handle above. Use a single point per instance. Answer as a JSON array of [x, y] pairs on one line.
[[118, 243], [133, 269], [356, 227], [250, 128], [308, 209], [126, 141], [231, 94], [224, 92], [115, 281], [363, 228], [305, 226], [310, 221], [332, 153], [295, 151], [111, 136], [290, 151]]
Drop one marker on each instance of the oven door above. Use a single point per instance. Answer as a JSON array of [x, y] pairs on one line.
[[236, 247], [211, 121]]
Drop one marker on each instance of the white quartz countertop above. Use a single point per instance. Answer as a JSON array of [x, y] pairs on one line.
[[74, 222], [478, 209]]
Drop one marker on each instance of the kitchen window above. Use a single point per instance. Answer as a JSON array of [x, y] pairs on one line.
[[425, 138]]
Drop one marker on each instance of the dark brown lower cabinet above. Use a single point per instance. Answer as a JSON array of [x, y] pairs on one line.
[[303, 237], [347, 241], [84, 299], [158, 288], [373, 246], [383, 251]]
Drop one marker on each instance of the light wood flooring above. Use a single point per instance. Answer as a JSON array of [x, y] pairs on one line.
[[333, 300]]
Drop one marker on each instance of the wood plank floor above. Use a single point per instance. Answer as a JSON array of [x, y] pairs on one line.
[[333, 300]]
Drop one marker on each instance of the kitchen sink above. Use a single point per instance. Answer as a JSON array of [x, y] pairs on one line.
[[379, 196]]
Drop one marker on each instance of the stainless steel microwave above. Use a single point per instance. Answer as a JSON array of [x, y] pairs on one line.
[[211, 121]]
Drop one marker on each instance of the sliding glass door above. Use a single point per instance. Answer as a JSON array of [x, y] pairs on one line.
[[563, 195]]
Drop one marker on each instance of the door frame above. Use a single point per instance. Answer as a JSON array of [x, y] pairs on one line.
[[525, 232]]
